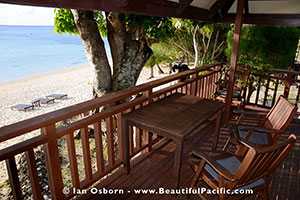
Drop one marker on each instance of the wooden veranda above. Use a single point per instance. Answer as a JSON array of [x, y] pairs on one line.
[[155, 170], [152, 156], [102, 162]]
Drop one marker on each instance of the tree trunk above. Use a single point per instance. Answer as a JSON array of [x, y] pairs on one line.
[[151, 72], [130, 51], [160, 71], [95, 51], [195, 45], [136, 55]]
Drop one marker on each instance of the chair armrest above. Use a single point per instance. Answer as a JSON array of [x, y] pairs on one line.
[[247, 144], [224, 173]]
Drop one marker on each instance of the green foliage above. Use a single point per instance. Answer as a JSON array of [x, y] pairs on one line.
[[156, 28], [207, 39], [101, 22], [266, 47], [162, 54], [64, 21]]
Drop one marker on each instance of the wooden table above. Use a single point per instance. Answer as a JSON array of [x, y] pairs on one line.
[[174, 117]]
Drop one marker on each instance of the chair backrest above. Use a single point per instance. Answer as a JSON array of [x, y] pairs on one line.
[[262, 161], [281, 115]]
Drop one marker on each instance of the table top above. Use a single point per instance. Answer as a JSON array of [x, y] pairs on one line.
[[176, 115]]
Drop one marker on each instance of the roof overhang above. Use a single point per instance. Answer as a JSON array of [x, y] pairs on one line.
[[264, 12]]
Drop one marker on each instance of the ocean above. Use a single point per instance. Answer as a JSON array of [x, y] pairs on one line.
[[32, 50]]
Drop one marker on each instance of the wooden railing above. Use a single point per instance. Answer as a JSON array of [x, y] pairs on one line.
[[63, 133], [264, 88]]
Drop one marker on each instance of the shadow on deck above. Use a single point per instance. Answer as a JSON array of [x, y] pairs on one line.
[[156, 170]]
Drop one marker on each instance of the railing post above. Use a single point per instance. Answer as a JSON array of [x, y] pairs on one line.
[[53, 163], [194, 84]]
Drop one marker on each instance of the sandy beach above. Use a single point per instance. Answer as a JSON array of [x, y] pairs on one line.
[[75, 81]]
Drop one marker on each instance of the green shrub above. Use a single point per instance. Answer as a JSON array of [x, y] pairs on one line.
[[265, 47]]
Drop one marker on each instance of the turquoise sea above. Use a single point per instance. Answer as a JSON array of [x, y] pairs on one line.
[[31, 50]]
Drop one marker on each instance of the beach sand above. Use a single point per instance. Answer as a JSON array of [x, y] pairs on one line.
[[75, 81]]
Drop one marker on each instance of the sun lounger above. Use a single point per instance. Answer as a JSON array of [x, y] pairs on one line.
[[23, 107], [39, 101], [57, 96]]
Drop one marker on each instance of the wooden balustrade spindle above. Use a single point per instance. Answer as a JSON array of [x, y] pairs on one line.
[[275, 92], [202, 88], [14, 178], [99, 147], [138, 138], [110, 141], [266, 92], [288, 83], [33, 175], [53, 163], [73, 160], [120, 135], [150, 141], [258, 90], [298, 94], [86, 153]]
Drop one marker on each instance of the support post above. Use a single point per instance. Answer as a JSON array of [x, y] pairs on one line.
[[234, 56]]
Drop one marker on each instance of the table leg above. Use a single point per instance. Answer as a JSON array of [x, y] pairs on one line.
[[178, 161], [125, 145], [217, 130]]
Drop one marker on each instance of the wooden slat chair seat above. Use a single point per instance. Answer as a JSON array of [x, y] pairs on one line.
[[253, 171], [270, 127]]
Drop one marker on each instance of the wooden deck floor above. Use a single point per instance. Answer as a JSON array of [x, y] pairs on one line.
[[156, 171]]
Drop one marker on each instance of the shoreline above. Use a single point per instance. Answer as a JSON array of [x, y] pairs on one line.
[[42, 74]]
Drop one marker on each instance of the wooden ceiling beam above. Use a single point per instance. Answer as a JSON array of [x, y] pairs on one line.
[[267, 19], [161, 8], [183, 4], [220, 8], [166, 8]]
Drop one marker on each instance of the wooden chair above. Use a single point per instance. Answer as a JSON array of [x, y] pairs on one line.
[[242, 76], [229, 171], [269, 127]]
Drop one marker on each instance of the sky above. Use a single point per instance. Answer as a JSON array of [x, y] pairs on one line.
[[25, 15]]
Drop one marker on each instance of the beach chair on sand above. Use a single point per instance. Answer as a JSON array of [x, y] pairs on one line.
[[57, 96], [23, 107], [253, 171], [269, 127], [38, 102]]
